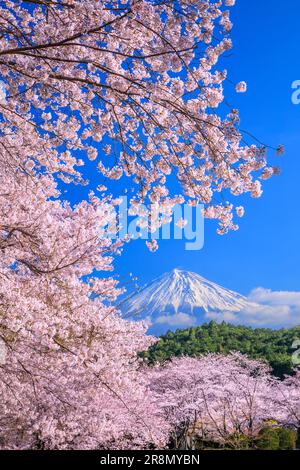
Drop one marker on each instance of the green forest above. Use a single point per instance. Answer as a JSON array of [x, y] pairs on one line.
[[275, 346]]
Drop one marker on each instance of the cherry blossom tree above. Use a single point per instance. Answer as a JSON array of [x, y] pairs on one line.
[[287, 397], [70, 374], [216, 398]]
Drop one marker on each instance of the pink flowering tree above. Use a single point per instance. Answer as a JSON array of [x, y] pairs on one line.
[[215, 398], [133, 87]]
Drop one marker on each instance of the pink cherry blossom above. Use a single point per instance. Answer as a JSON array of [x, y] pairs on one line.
[[132, 92], [118, 95], [218, 398]]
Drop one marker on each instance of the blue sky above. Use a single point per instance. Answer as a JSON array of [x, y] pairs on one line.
[[265, 251]]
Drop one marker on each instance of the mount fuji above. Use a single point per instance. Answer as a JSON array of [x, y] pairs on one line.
[[181, 299]]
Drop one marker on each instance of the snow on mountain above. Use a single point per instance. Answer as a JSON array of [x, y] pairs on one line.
[[180, 299]]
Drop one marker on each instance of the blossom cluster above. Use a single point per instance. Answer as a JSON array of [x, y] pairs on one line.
[[133, 87]]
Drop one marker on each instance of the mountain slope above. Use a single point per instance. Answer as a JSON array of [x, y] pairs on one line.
[[182, 298]]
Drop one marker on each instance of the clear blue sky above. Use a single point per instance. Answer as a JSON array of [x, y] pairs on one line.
[[265, 251]]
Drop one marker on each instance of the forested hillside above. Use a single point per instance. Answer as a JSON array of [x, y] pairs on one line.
[[276, 346]]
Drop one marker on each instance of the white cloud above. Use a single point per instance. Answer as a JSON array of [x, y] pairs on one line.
[[266, 308], [178, 319]]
